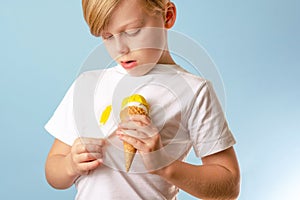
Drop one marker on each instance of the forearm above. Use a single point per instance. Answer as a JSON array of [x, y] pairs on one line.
[[58, 171], [205, 182]]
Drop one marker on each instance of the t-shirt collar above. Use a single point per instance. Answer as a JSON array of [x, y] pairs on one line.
[[159, 68]]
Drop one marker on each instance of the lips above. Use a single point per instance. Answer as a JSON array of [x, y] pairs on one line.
[[129, 64]]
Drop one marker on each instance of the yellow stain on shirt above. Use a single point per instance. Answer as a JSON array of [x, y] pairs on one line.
[[105, 115]]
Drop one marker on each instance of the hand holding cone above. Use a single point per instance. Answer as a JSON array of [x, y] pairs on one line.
[[132, 105]]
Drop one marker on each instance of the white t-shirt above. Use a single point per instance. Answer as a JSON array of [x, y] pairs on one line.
[[183, 106]]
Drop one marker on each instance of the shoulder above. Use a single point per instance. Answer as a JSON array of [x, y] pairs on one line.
[[94, 75], [97, 73], [195, 82], [203, 91]]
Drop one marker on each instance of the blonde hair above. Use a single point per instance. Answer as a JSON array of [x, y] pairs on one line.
[[98, 12]]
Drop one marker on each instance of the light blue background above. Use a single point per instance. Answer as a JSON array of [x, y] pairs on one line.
[[255, 44]]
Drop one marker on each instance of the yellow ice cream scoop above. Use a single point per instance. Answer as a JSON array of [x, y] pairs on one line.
[[133, 105], [135, 99]]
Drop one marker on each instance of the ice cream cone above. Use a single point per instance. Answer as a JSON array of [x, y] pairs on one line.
[[133, 105]]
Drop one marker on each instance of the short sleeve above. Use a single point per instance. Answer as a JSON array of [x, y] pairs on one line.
[[62, 124], [208, 127]]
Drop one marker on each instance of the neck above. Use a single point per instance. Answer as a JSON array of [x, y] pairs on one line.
[[166, 58]]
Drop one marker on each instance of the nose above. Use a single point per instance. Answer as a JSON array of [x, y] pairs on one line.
[[121, 45]]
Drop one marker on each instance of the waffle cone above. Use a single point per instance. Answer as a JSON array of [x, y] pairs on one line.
[[129, 150], [129, 153]]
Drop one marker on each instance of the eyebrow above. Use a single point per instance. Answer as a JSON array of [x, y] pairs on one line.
[[134, 22]]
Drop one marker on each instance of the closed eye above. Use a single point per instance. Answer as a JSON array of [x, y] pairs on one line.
[[132, 32], [107, 36]]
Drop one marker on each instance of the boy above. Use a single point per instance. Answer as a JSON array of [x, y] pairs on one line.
[[134, 33]]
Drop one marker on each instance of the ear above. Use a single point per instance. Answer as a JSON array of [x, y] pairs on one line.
[[170, 15]]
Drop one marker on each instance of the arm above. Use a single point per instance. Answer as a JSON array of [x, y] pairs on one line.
[[66, 163], [217, 178]]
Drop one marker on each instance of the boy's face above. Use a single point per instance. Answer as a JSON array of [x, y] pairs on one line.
[[135, 38]]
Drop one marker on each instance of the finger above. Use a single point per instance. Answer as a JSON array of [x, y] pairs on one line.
[[130, 125], [144, 119], [86, 144], [85, 148], [132, 133], [87, 166], [148, 131], [136, 121], [87, 157], [135, 142], [92, 148], [135, 130], [79, 148]]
